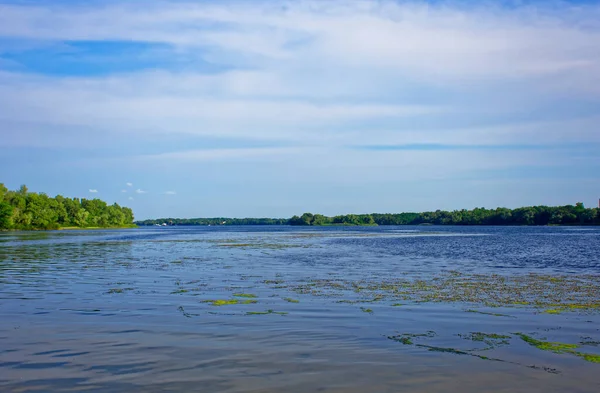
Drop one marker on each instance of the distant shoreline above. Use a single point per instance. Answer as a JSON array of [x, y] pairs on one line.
[[568, 215]]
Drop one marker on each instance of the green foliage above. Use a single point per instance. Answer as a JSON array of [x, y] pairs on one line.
[[214, 221], [29, 211], [6, 211], [533, 215]]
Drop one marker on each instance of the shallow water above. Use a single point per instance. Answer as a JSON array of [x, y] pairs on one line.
[[378, 309]]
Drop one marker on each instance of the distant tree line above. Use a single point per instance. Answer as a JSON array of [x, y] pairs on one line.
[[29, 210], [214, 221], [534, 215]]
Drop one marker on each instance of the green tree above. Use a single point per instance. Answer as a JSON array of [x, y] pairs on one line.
[[6, 211], [81, 218]]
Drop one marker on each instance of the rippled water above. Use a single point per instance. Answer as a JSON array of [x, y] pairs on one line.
[[381, 309]]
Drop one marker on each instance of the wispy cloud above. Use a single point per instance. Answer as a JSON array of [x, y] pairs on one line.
[[140, 191], [129, 184], [93, 191], [124, 191], [130, 198], [170, 193], [310, 70]]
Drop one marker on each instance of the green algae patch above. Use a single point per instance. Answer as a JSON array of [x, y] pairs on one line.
[[290, 300], [367, 310], [224, 302], [572, 307], [179, 291], [266, 312], [553, 311], [273, 282], [578, 293], [229, 302], [555, 347], [492, 340], [397, 305], [588, 357], [559, 348], [246, 295], [407, 338]]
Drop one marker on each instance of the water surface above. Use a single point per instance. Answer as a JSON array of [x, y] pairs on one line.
[[269, 309]]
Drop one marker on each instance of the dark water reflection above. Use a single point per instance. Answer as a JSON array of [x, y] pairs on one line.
[[132, 310]]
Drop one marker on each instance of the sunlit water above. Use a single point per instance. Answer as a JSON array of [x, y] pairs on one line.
[[382, 309]]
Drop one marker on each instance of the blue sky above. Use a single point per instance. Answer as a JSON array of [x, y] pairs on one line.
[[273, 108]]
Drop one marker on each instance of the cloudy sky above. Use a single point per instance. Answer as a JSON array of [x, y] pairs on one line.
[[272, 108]]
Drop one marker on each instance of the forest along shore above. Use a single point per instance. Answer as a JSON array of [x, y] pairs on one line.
[[24, 210], [576, 214]]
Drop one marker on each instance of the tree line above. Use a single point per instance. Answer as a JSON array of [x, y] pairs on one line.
[[24, 210], [214, 221], [533, 215]]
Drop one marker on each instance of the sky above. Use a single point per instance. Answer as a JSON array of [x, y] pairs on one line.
[[274, 108]]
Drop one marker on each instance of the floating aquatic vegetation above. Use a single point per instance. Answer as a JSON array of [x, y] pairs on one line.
[[406, 338], [228, 302], [119, 290], [592, 343], [589, 357], [180, 291], [367, 310], [555, 347], [266, 312], [290, 300], [553, 311], [275, 282], [492, 340], [560, 348], [185, 314], [561, 308], [579, 293], [490, 313]]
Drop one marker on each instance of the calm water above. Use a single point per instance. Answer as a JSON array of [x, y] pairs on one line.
[[386, 309]]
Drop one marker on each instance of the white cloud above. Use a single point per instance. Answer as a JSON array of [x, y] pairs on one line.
[[170, 193], [129, 184], [140, 191], [124, 191], [93, 191], [319, 76], [130, 198], [438, 40], [307, 71]]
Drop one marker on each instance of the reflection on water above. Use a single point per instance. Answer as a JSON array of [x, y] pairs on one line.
[[268, 309]]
